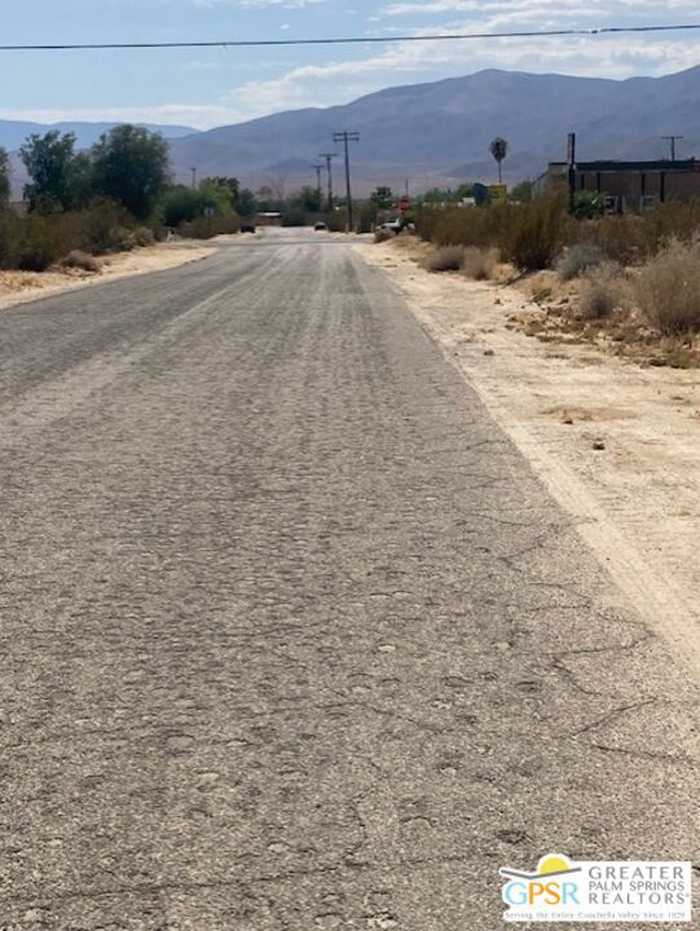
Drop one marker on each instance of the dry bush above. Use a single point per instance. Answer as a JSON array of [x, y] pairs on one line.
[[207, 227], [144, 236], [667, 289], [667, 222], [40, 244], [479, 264], [445, 259], [535, 233], [381, 235], [79, 259], [603, 291], [579, 258]]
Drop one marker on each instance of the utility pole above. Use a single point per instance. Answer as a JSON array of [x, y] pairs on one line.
[[345, 137], [328, 156], [317, 169], [194, 177], [672, 141]]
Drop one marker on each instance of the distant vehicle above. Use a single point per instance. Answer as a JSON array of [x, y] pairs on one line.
[[247, 228], [394, 226], [320, 226]]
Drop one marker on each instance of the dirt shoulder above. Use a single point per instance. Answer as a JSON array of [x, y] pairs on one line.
[[20, 287], [618, 445]]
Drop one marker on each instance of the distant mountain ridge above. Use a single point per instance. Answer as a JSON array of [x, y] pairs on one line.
[[438, 132], [14, 132], [441, 130]]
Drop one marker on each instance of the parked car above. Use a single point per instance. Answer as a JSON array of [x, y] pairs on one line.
[[247, 228], [394, 226], [320, 226]]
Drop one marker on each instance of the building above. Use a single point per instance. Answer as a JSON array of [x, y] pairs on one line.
[[634, 185]]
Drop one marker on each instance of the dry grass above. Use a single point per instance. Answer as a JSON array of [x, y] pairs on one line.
[[667, 289], [479, 264], [445, 259]]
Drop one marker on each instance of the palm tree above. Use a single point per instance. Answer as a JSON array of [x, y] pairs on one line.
[[499, 150]]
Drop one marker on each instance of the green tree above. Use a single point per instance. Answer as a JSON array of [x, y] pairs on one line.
[[382, 197], [4, 177], [49, 160], [130, 165], [81, 181], [181, 204], [499, 150], [231, 185], [246, 205]]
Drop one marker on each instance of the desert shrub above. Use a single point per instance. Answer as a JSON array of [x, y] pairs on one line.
[[144, 236], [122, 239], [294, 215], [478, 264], [445, 259], [76, 258], [10, 235], [95, 227], [667, 289], [667, 222], [208, 227], [533, 234], [40, 244], [336, 221], [621, 238], [603, 290], [588, 205], [579, 258], [381, 235]]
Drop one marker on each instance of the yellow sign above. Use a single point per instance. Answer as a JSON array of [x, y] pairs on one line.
[[498, 192]]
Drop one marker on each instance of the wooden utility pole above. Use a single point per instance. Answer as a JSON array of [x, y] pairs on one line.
[[318, 169], [328, 156], [346, 137], [672, 141], [571, 159]]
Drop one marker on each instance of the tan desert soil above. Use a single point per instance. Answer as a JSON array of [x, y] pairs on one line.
[[20, 287], [617, 444]]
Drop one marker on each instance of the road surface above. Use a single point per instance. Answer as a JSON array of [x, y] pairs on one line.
[[291, 637]]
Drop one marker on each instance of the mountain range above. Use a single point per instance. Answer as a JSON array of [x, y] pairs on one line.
[[439, 132]]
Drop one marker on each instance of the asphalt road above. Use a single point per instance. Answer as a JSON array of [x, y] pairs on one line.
[[291, 636]]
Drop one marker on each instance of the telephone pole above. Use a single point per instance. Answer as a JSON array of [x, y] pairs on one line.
[[328, 156], [672, 141], [345, 137], [318, 169]]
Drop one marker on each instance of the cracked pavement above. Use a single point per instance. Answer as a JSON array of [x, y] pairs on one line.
[[292, 638]]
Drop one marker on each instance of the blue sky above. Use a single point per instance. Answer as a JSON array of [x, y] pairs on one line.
[[213, 87]]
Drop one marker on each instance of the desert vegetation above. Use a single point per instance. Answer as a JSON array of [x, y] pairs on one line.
[[115, 197], [634, 277]]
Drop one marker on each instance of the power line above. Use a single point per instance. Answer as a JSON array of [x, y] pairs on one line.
[[354, 40]]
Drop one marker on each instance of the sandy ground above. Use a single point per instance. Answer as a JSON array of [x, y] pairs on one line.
[[20, 287], [618, 445]]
